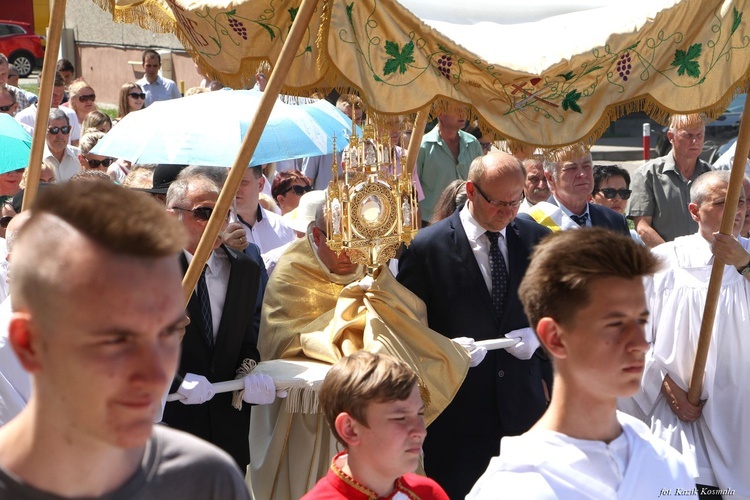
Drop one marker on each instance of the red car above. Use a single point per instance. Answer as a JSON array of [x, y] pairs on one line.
[[21, 46]]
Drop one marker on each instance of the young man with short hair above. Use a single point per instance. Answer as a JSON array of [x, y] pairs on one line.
[[156, 87], [374, 408], [584, 293], [98, 321]]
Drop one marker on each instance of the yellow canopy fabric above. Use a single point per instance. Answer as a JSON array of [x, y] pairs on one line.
[[692, 56]]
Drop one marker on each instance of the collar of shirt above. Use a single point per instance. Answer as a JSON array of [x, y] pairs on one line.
[[480, 244], [217, 281], [567, 213], [258, 217]]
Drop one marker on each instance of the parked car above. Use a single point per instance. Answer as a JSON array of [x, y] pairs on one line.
[[21, 46], [718, 132]]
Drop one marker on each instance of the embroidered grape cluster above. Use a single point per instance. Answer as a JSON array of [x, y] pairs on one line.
[[238, 27], [624, 66], [444, 65]]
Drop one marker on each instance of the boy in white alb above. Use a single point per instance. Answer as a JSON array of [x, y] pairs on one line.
[[584, 292]]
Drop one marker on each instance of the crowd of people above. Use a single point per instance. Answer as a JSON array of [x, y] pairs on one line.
[[592, 276]]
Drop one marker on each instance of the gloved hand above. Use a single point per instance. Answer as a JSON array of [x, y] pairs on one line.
[[195, 389], [365, 283], [476, 352], [528, 344], [259, 389]]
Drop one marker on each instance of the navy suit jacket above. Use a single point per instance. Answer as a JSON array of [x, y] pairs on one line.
[[601, 216], [216, 420], [503, 395]]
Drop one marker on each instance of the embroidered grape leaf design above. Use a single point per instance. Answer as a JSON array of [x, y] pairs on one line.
[[569, 102], [736, 20], [400, 58], [685, 61], [567, 76], [293, 13]]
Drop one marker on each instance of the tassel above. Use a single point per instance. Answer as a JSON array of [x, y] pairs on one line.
[[247, 366]]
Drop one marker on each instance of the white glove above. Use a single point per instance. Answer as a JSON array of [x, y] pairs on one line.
[[195, 389], [259, 389], [476, 352], [365, 283], [528, 344]]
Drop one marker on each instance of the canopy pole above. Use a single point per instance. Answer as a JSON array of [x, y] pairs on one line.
[[54, 34], [415, 142], [245, 154], [717, 270]]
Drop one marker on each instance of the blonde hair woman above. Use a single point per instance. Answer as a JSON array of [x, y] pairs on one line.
[[82, 98]]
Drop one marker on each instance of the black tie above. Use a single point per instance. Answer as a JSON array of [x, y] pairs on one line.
[[499, 275], [580, 219], [205, 302]]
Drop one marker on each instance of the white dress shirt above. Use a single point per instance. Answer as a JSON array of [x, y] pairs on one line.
[[268, 232], [567, 220], [480, 244], [217, 281], [68, 167]]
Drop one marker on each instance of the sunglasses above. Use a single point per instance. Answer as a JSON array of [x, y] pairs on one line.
[[136, 95], [200, 213], [97, 163], [87, 98], [5, 109], [610, 193], [299, 190], [55, 130]]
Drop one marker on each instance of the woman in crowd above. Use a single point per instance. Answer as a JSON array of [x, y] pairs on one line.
[[132, 98], [82, 99], [288, 187], [91, 161], [612, 189], [97, 120], [453, 196]]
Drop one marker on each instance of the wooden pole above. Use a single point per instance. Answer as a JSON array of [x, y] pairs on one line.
[[415, 142], [717, 271], [245, 154], [54, 34]]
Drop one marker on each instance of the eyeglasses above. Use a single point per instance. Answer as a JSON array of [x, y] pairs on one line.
[[4, 221], [200, 213], [498, 204], [55, 130], [298, 190], [97, 163], [5, 109], [136, 95], [610, 193], [86, 98]]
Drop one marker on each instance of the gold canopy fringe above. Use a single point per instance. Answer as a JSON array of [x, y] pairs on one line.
[[148, 15]]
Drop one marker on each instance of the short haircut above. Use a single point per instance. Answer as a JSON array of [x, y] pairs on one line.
[[3, 59], [209, 179], [604, 172], [119, 221], [58, 114], [679, 122], [12, 71], [59, 80], [257, 171], [283, 181], [701, 187], [94, 120], [140, 177], [565, 264], [64, 65], [90, 176], [89, 140], [149, 53], [360, 379], [11, 93], [479, 166]]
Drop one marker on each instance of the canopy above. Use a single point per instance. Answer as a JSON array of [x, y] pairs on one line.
[[540, 73]]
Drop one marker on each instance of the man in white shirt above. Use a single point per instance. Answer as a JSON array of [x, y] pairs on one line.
[[583, 291], [57, 152], [156, 87]]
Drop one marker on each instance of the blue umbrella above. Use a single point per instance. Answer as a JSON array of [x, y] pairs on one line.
[[208, 129], [15, 145]]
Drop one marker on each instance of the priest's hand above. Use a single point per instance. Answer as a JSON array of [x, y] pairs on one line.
[[233, 236], [527, 345], [259, 389], [477, 353], [195, 389], [678, 401]]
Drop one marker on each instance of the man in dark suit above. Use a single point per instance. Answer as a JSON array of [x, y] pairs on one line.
[[571, 180], [221, 336], [467, 269]]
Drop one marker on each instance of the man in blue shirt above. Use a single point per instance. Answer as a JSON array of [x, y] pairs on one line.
[[157, 88]]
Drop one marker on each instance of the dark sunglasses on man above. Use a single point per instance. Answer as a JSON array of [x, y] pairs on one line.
[[298, 190], [87, 98], [56, 130], [96, 163], [200, 213], [137, 95], [5, 109], [610, 193]]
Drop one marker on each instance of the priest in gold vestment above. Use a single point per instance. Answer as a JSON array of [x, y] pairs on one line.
[[319, 306]]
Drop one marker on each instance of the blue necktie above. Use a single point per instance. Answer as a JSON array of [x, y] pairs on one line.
[[499, 275], [205, 302], [580, 219]]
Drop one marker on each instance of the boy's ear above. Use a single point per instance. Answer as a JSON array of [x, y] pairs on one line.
[[549, 332], [347, 428], [21, 336]]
